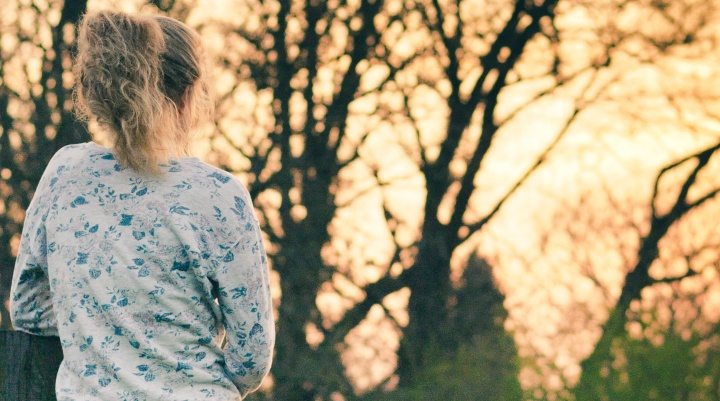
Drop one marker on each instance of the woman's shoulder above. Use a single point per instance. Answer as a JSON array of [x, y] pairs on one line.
[[67, 157], [71, 149], [84, 147], [206, 180], [74, 153], [220, 178]]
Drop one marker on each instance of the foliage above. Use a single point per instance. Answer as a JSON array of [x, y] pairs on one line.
[[667, 365], [485, 365], [472, 374]]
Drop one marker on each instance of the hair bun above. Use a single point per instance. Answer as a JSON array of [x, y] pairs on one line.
[[117, 25], [142, 77], [121, 47], [119, 68]]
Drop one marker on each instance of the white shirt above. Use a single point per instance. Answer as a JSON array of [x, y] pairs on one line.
[[126, 269]]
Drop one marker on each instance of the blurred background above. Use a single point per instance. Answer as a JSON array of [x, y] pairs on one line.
[[461, 200]]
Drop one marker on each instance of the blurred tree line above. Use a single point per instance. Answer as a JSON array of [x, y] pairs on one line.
[[366, 133]]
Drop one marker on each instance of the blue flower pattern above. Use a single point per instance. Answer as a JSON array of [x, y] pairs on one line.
[[143, 277]]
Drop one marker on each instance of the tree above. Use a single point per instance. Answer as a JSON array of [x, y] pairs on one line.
[[682, 188], [35, 112], [667, 346], [692, 196], [363, 98], [329, 76], [486, 364]]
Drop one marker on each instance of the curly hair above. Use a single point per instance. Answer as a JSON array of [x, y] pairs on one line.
[[143, 77]]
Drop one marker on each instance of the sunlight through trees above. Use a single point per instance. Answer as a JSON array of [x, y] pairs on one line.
[[452, 192]]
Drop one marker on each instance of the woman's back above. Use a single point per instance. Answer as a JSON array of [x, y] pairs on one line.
[[137, 257], [134, 264]]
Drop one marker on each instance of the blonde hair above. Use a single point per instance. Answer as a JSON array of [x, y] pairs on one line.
[[143, 77]]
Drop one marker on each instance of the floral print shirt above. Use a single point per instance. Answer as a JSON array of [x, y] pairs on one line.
[[142, 277]]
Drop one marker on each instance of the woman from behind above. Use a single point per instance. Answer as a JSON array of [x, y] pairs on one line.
[[140, 258]]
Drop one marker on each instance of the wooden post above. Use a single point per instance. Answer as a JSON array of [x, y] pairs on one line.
[[28, 366]]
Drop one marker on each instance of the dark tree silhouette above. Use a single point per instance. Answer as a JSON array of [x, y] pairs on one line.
[[36, 117], [639, 277], [302, 159]]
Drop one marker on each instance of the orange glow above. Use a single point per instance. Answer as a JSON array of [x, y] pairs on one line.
[[560, 246]]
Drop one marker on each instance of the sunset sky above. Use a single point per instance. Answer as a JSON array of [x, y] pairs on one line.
[[561, 244]]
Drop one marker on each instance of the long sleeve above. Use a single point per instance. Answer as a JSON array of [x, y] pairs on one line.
[[31, 307], [244, 297], [138, 275]]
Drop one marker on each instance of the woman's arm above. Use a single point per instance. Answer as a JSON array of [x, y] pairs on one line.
[[31, 308], [244, 297]]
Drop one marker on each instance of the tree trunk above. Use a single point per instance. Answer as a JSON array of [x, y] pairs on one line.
[[303, 373], [429, 284], [596, 366]]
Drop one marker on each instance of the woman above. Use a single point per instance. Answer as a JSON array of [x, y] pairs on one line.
[[139, 259]]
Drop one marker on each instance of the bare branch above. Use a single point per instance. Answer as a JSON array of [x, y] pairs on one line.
[[451, 43], [375, 293], [421, 149], [559, 84], [371, 188], [391, 77], [456, 221], [473, 228], [690, 273], [308, 59], [681, 205], [390, 316], [338, 110], [710, 195]]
